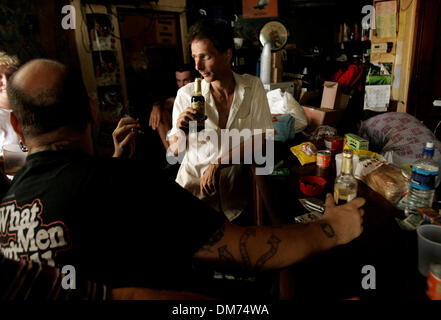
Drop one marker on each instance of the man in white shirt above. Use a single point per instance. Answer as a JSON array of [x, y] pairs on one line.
[[8, 65], [232, 101]]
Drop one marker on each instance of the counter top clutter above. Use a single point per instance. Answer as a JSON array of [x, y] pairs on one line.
[[389, 240], [390, 180]]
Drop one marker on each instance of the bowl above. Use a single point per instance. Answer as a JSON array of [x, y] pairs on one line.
[[312, 185]]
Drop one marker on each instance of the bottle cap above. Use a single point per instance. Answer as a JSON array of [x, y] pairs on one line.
[[428, 149], [347, 153]]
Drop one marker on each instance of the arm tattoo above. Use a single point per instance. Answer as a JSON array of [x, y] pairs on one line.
[[215, 238], [243, 247], [274, 243], [226, 256], [327, 229]]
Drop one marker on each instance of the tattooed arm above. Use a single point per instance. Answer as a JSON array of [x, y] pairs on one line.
[[257, 248]]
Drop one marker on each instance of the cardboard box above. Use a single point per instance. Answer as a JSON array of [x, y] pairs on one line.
[[356, 142], [333, 96], [310, 98], [322, 116], [430, 215]]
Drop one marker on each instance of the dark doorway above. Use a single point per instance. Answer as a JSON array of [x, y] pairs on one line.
[[151, 47], [425, 85]]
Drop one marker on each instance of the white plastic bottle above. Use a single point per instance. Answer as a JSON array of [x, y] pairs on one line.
[[423, 181], [265, 64]]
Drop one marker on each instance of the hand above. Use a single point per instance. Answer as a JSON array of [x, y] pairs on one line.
[[155, 117], [210, 179], [345, 221], [185, 117], [124, 137]]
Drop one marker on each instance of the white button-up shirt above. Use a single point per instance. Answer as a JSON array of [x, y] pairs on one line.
[[249, 110]]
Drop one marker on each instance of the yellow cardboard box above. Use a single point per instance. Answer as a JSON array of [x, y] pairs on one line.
[[356, 142]]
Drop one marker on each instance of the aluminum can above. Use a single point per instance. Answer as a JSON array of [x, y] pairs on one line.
[[323, 158]]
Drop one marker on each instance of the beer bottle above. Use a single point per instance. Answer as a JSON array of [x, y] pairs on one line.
[[345, 187], [198, 104]]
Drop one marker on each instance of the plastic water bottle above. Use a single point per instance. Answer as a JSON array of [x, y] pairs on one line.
[[423, 181]]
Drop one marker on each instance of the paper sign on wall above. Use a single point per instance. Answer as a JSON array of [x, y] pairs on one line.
[[377, 98], [397, 77], [259, 8], [386, 19]]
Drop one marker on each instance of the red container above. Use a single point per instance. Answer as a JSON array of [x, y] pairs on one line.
[[319, 143], [334, 144], [312, 185], [434, 282]]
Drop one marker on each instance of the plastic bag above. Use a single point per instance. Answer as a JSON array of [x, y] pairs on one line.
[[383, 177], [323, 132], [284, 103], [284, 125], [305, 152], [319, 135]]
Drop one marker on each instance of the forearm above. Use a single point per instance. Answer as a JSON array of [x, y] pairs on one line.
[[158, 104], [260, 248]]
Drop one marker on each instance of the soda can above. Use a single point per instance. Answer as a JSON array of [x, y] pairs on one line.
[[434, 282], [323, 158]]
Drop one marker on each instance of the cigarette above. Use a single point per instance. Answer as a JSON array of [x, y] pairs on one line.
[[137, 131]]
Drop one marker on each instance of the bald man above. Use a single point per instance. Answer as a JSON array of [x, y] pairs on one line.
[[66, 207]]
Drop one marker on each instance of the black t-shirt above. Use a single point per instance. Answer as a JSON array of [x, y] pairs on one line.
[[119, 222]]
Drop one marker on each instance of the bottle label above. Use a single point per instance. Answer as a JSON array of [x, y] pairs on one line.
[[423, 180], [343, 197], [199, 106]]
